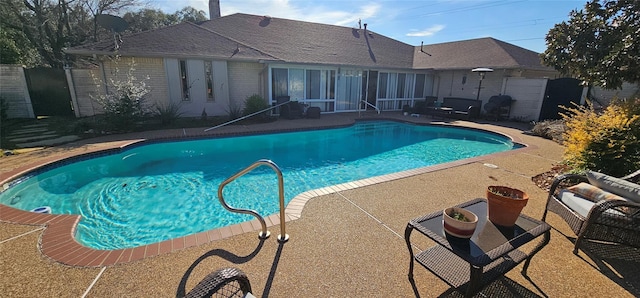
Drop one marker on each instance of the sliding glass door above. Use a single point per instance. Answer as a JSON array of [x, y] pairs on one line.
[[349, 90]]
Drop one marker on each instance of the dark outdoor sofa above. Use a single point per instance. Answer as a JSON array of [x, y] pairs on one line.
[[452, 107]]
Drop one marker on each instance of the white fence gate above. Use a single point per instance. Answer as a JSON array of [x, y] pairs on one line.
[[528, 95]]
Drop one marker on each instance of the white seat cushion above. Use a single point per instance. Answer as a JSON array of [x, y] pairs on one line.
[[579, 204], [576, 203]]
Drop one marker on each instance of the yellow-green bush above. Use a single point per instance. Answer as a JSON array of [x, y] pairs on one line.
[[607, 141]]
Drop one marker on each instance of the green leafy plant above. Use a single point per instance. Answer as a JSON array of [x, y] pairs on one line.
[[505, 192], [168, 113], [459, 216], [254, 103], [234, 111], [607, 141]]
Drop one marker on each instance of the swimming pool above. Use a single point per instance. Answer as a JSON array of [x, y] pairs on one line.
[[150, 193]]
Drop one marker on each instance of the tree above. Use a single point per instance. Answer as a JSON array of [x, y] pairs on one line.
[[147, 19], [38, 31], [599, 45], [98, 7], [14, 46], [190, 14], [43, 23]]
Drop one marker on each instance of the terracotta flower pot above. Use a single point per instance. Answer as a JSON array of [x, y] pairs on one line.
[[456, 227], [505, 204]]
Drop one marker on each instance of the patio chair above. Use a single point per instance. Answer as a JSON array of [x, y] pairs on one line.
[[292, 110], [597, 207], [225, 282]]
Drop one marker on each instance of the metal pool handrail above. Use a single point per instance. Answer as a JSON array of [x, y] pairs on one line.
[[283, 237], [369, 104]]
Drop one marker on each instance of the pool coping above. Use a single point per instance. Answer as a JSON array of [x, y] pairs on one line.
[[58, 244]]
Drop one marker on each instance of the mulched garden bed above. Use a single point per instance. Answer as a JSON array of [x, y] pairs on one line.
[[545, 179]]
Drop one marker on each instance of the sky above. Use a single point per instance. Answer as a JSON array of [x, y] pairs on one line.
[[524, 23]]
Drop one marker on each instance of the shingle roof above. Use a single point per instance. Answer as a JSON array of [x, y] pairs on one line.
[[481, 52], [251, 37], [305, 42], [182, 40]]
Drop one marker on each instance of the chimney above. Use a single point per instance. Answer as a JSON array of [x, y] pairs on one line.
[[214, 9]]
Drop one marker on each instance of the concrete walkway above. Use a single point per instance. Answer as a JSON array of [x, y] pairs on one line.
[[346, 244]]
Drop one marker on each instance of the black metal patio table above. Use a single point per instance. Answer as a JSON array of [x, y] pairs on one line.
[[473, 263]]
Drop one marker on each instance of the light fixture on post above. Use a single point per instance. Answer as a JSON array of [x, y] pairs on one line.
[[481, 71]]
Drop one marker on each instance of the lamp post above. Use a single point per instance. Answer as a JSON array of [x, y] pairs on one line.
[[481, 71]]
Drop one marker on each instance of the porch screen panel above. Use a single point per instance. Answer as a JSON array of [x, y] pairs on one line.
[[382, 85], [313, 84], [393, 82], [401, 85], [419, 89], [428, 85], [409, 85], [296, 84], [331, 84], [279, 82], [349, 90]]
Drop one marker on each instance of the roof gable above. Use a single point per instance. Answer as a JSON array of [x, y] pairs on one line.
[[468, 54]]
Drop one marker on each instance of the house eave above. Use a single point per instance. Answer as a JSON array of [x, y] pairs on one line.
[[165, 55]]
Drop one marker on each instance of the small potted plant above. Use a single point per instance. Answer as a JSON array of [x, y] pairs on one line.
[[459, 222], [505, 204]]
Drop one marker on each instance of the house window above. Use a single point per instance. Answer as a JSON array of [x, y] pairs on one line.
[[303, 84], [320, 84], [184, 80], [313, 84], [208, 74], [401, 85], [296, 83], [392, 85], [382, 85], [279, 82], [419, 90], [331, 84]]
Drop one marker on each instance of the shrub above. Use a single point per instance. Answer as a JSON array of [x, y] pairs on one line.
[[125, 103], [234, 111], [254, 103], [608, 142], [168, 113], [550, 129]]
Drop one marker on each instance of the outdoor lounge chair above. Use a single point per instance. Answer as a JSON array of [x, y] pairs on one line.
[[226, 282], [291, 110], [597, 207]]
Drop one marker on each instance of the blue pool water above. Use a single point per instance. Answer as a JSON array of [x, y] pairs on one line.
[[161, 191]]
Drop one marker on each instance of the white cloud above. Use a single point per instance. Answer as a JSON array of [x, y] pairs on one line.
[[341, 15], [427, 32]]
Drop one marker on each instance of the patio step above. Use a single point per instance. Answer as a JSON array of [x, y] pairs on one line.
[[37, 135]]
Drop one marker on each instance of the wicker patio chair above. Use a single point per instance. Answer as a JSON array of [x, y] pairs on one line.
[[609, 220], [226, 282]]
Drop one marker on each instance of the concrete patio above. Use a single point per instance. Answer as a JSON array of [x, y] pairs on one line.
[[345, 244]]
